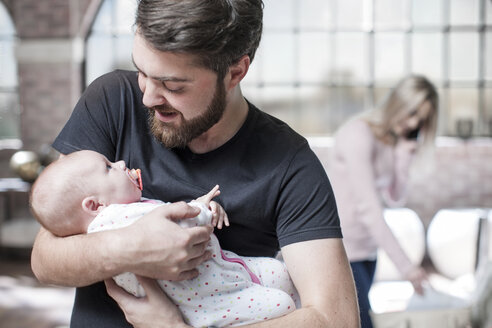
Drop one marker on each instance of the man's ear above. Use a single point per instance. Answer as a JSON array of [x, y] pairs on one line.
[[237, 72], [91, 205]]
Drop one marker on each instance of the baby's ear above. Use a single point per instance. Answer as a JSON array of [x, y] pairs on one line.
[[91, 205]]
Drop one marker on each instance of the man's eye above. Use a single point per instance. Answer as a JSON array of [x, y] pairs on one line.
[[175, 91], [172, 88], [141, 77]]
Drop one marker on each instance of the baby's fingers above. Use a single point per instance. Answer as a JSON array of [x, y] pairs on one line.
[[219, 216], [226, 219], [214, 220], [223, 219], [215, 215]]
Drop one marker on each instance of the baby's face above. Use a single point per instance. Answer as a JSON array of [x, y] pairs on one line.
[[113, 181]]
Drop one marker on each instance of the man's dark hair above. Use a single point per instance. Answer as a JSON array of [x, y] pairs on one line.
[[219, 32]]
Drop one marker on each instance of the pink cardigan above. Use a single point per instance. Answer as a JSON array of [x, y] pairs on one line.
[[368, 175]]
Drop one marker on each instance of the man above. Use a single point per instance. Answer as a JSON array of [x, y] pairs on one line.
[[183, 120]]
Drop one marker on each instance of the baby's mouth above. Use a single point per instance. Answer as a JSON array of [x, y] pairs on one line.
[[135, 176]]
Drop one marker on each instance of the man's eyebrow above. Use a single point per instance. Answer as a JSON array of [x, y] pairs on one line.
[[162, 79]]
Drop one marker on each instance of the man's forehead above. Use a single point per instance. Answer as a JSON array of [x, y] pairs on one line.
[[164, 64]]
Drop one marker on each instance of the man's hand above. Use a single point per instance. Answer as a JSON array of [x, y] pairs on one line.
[[154, 310], [157, 247]]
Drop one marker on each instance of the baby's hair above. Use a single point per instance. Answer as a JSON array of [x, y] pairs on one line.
[[56, 196]]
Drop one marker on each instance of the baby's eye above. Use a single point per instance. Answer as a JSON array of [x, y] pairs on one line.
[[108, 167]]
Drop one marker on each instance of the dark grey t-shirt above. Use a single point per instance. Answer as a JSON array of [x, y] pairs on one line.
[[273, 187]]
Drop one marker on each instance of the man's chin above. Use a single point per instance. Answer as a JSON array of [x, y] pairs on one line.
[[169, 137]]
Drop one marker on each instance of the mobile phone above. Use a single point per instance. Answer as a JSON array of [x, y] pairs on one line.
[[413, 135]]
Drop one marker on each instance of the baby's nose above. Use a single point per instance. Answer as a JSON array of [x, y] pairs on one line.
[[121, 164]]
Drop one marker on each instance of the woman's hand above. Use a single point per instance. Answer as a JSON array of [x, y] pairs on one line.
[[152, 311], [418, 277]]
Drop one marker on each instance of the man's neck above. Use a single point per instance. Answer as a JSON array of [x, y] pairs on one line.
[[233, 118]]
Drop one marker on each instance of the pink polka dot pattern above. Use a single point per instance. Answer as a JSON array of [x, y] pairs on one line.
[[223, 294]]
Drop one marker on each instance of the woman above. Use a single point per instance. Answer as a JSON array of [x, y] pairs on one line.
[[369, 171]]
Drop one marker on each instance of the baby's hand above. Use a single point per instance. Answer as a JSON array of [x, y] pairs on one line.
[[219, 216], [207, 198]]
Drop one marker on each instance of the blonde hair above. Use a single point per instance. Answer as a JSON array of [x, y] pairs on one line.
[[408, 95], [56, 197]]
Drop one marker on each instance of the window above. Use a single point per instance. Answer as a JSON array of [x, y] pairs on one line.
[[9, 99], [321, 61], [109, 45], [347, 54]]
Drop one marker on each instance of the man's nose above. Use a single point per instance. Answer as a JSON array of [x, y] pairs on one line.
[[152, 94]]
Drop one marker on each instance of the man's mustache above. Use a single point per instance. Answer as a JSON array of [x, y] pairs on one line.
[[164, 108]]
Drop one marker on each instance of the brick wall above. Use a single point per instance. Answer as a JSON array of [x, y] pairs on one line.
[[49, 55], [35, 19], [47, 105], [42, 19]]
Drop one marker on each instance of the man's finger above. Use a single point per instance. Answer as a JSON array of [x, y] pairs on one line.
[[189, 271], [187, 275], [195, 262], [198, 250], [120, 295], [177, 211], [150, 286], [200, 234], [160, 302]]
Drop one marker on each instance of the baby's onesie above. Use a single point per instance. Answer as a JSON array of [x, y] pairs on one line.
[[229, 290]]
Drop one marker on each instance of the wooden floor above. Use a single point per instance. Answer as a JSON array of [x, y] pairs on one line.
[[24, 302]]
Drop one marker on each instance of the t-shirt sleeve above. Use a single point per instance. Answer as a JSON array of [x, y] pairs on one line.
[[94, 121], [306, 208]]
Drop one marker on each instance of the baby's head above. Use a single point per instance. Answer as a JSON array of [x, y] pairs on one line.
[[70, 192]]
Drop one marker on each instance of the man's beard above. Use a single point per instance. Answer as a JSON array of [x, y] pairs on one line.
[[179, 136]]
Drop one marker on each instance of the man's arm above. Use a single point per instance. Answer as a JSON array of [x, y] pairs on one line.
[[321, 273], [153, 246], [70, 261]]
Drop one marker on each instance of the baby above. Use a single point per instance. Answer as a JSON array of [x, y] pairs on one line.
[[84, 192]]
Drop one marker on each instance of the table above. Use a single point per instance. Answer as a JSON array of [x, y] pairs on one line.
[[7, 187]]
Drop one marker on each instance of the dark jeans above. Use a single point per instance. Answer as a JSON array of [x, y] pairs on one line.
[[363, 275]]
